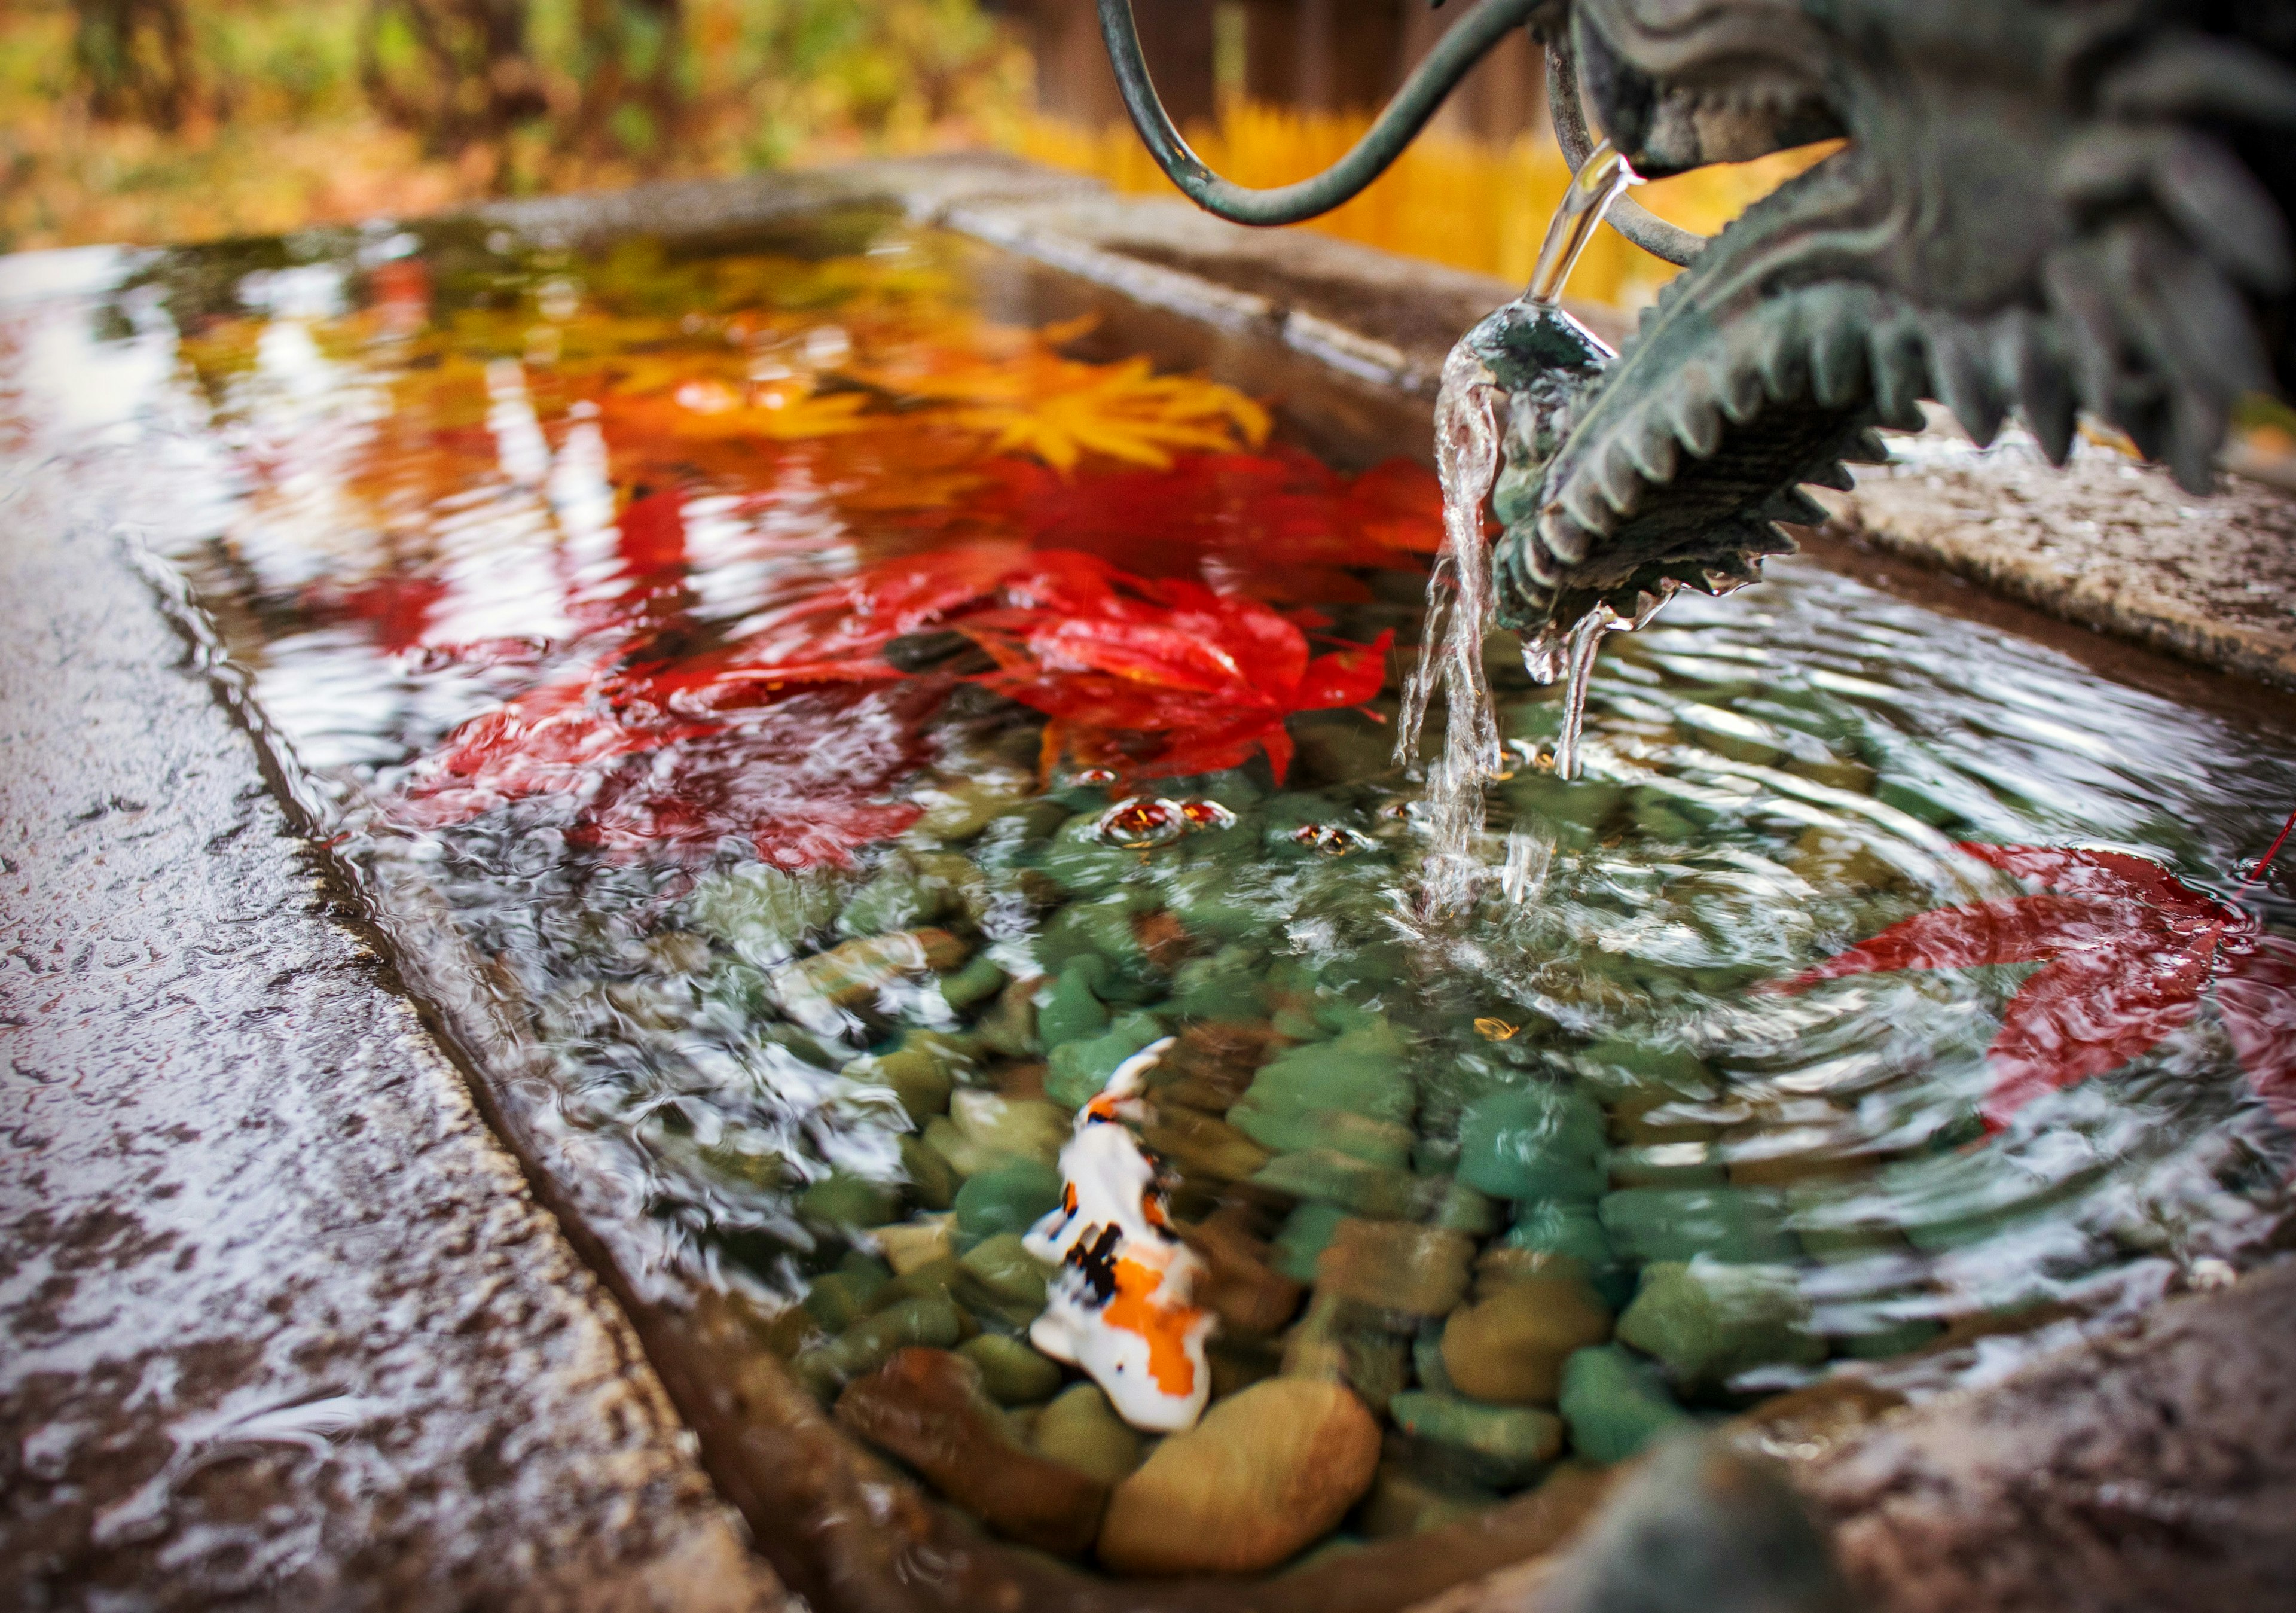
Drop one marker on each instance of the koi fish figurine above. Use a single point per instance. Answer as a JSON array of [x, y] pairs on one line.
[[1119, 1305]]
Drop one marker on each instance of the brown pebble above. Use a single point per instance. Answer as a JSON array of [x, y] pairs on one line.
[[1239, 1285], [1509, 1349], [1393, 1265], [1265, 1472], [927, 1408], [1212, 1063]]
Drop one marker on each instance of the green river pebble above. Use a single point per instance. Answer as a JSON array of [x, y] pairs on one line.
[[1541, 1141], [846, 1200], [1614, 1403], [1708, 1321], [874, 1340], [1013, 1374], [1506, 1445], [1069, 1009], [1010, 1198], [1077, 1070], [1740, 1224]]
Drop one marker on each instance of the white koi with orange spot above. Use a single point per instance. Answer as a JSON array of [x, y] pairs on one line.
[[1118, 1307]]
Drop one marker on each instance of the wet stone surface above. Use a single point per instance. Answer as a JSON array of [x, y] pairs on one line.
[[284, 1325]]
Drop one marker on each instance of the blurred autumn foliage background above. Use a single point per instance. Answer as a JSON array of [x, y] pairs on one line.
[[186, 120], [182, 120]]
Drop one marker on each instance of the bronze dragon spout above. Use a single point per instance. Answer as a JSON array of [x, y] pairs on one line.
[[2044, 207]]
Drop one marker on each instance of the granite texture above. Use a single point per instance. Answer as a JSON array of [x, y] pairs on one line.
[[284, 1326]]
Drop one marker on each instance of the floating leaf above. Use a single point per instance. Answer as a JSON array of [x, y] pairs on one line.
[[2128, 950]]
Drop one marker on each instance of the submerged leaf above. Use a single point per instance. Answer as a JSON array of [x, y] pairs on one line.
[[2129, 949]]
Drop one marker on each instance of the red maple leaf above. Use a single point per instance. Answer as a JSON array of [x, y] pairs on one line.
[[2128, 951], [1149, 676]]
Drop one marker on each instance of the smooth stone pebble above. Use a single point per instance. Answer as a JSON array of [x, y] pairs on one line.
[[1197, 1145], [1393, 1266], [933, 1182], [1553, 1227], [1508, 1444], [1614, 1403], [848, 975], [1510, 1348], [1651, 1224], [1076, 1070], [1623, 1069], [1303, 1239], [1224, 985], [1540, 1142], [1708, 1321], [1006, 1129], [1379, 1142], [1011, 1374], [1070, 1009], [1080, 1429], [1002, 1265], [1346, 1343], [871, 1342], [761, 912], [899, 899], [977, 982], [1239, 1285], [1361, 1071], [1267, 1471], [1010, 1198], [838, 1298], [851, 1201], [910, 1244], [1403, 1502], [920, 1080], [1341, 1180], [926, 1406]]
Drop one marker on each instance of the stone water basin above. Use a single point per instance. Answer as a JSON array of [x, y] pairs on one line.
[[761, 690]]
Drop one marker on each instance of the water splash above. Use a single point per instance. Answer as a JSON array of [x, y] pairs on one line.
[[1459, 587]]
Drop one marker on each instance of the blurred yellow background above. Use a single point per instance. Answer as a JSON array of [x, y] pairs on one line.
[[152, 120]]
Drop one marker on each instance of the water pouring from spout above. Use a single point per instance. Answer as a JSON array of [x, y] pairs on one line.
[[1467, 434]]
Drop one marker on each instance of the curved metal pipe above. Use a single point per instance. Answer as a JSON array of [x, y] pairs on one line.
[[1414, 104], [1628, 217]]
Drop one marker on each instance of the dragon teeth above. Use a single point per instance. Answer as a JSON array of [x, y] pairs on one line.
[[1584, 505], [1865, 447], [1650, 442], [1620, 483], [1742, 396], [1697, 422], [1795, 505], [1963, 380], [1837, 362], [1901, 373], [1567, 542]]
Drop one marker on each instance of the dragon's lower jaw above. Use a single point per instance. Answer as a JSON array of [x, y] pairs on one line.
[[1680, 458]]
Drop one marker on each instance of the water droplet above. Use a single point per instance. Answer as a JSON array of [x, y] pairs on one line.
[[1140, 823], [1331, 839], [1207, 815]]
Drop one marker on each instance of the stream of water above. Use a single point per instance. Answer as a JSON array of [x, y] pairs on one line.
[[1459, 605]]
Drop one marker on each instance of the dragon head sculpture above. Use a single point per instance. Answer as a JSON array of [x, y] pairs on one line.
[[2043, 206]]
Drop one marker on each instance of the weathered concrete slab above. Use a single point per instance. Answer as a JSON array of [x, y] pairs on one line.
[[284, 1325], [2154, 1468], [2105, 542]]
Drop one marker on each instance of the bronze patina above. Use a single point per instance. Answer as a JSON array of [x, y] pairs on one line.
[[2044, 207]]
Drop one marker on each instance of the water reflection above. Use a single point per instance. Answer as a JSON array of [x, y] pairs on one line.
[[844, 728]]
